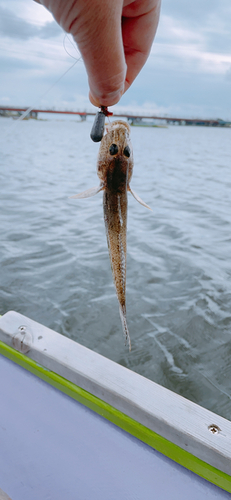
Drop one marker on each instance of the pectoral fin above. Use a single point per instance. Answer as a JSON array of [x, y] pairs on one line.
[[138, 198], [89, 192]]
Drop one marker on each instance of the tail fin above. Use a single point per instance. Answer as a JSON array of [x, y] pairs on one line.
[[125, 326]]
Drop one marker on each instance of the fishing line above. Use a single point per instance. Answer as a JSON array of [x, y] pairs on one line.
[[46, 92], [73, 45], [28, 110]]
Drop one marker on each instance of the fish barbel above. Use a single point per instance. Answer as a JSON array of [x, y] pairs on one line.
[[114, 168]]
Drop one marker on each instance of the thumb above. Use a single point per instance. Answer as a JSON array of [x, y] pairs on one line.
[[97, 32]]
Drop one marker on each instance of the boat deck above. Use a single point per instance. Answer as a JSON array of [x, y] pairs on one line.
[[75, 425], [52, 447]]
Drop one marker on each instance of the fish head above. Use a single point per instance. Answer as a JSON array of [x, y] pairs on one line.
[[115, 159]]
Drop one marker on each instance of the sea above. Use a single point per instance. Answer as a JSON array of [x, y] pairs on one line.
[[54, 263]]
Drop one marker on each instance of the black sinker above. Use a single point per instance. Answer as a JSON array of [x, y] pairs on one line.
[[97, 130]]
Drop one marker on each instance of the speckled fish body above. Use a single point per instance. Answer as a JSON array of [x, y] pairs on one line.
[[114, 168], [115, 164]]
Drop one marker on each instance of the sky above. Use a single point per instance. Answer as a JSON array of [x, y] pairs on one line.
[[188, 73]]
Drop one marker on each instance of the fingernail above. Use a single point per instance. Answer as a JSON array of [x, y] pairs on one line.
[[106, 99]]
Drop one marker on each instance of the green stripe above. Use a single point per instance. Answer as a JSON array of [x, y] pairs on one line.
[[118, 418]]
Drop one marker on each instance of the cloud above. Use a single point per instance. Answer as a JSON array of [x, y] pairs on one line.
[[228, 74], [189, 58], [205, 23], [50, 30], [5, 99], [181, 47], [199, 14], [13, 26], [181, 91], [15, 65]]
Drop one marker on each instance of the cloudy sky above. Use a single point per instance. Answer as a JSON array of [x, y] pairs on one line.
[[188, 72]]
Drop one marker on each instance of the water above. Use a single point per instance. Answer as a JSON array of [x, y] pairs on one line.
[[54, 259]]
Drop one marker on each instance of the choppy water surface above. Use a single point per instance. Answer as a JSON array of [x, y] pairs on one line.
[[54, 260]]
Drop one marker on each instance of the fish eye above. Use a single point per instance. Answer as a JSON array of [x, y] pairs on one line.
[[113, 149], [127, 151]]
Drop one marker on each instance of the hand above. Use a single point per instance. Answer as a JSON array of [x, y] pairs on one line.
[[114, 38]]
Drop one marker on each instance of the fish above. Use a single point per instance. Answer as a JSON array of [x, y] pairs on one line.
[[114, 168]]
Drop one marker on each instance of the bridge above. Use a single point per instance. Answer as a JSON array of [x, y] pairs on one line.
[[133, 119]]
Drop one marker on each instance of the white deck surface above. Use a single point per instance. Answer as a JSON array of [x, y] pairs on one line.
[[171, 416], [53, 448]]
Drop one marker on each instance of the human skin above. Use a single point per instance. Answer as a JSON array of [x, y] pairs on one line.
[[114, 38]]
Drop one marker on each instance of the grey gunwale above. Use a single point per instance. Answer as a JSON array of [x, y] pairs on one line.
[[169, 415]]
